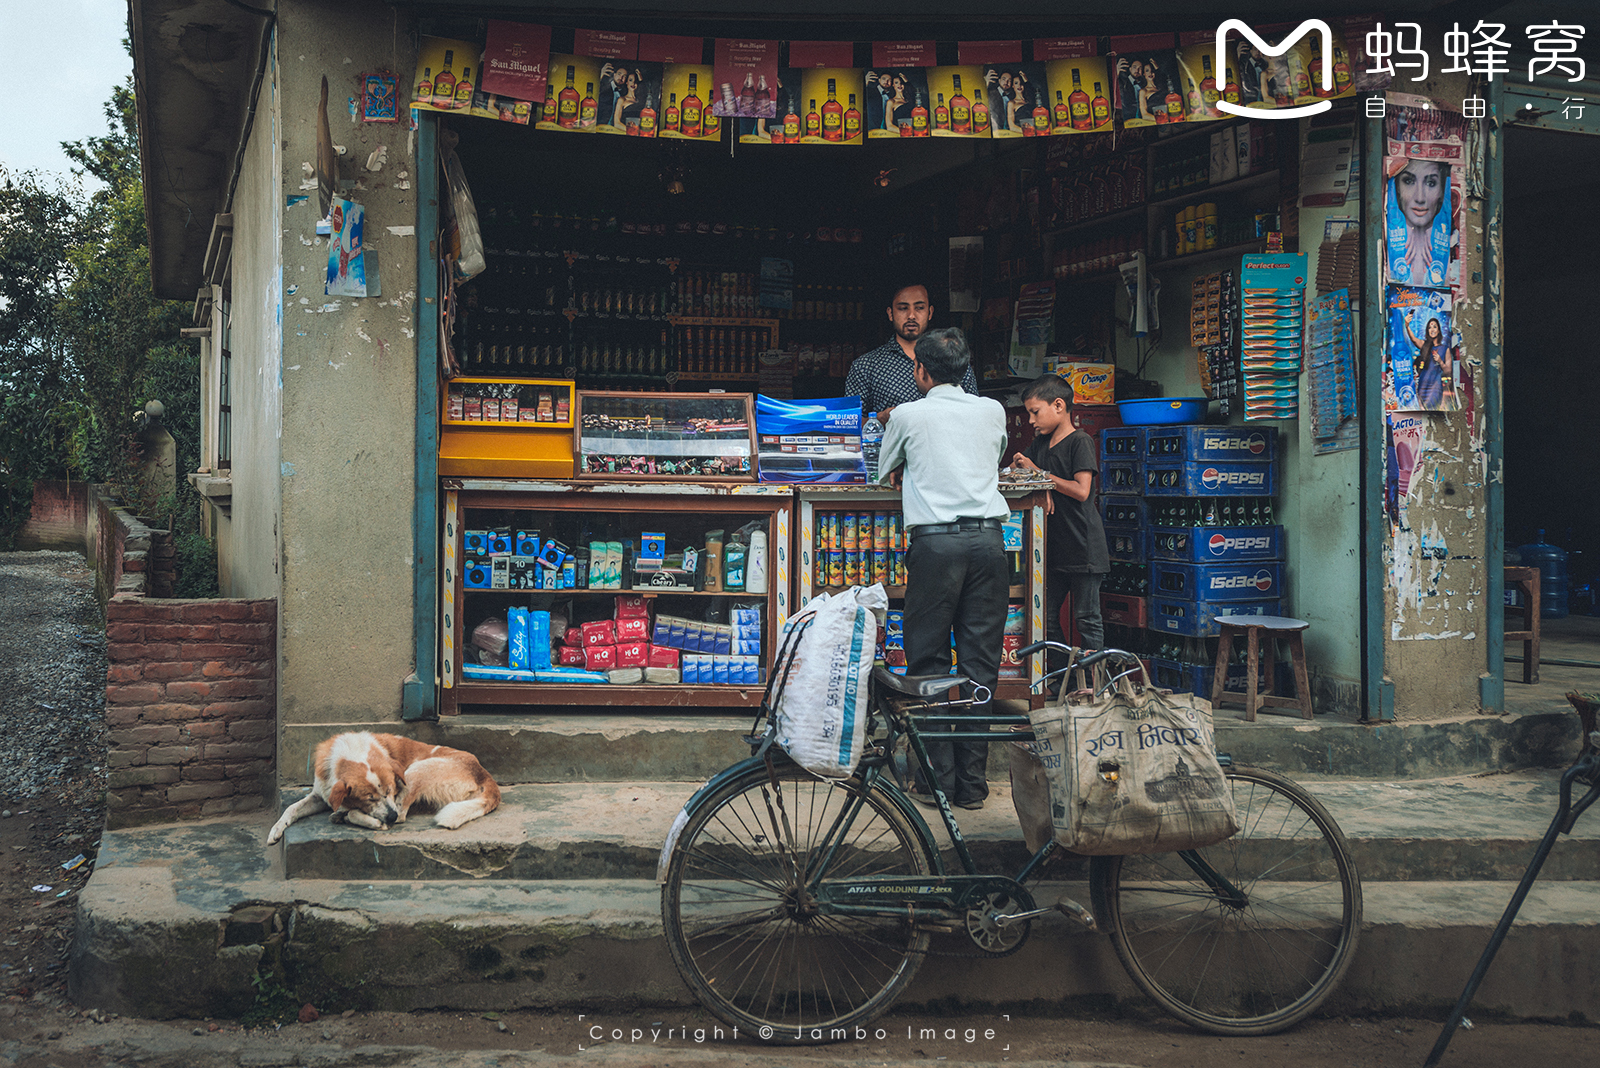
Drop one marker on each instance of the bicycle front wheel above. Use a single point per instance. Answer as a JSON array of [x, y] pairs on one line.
[[747, 936], [1261, 952]]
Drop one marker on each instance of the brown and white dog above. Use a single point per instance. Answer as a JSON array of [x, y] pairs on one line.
[[372, 780]]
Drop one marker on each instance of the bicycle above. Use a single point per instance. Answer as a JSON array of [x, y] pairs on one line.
[[798, 908]]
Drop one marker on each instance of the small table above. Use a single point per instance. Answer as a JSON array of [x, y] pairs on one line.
[[1252, 627]]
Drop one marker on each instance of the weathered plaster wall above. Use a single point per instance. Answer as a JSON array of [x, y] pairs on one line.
[[248, 542], [349, 379], [1435, 625]]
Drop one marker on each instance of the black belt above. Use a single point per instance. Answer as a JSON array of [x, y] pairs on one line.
[[952, 528]]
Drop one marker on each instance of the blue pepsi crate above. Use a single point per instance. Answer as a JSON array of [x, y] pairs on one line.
[[1130, 545], [1122, 443], [1198, 619], [1246, 581], [1119, 511], [1196, 678], [1200, 478], [1122, 477], [1216, 545], [1211, 444]]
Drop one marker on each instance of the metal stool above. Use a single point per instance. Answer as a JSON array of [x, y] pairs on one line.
[[1252, 628]]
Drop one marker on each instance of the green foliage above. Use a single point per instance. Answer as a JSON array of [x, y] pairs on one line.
[[83, 341], [275, 1003]]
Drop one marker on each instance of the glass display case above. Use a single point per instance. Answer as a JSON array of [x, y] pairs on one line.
[[699, 437], [503, 427], [611, 593]]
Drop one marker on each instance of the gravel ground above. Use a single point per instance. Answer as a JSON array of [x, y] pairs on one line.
[[52, 762]]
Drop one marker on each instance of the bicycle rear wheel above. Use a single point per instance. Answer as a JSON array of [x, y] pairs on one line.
[[749, 940], [1264, 961]]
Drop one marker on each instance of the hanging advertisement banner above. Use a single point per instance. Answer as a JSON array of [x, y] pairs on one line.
[[1049, 49], [896, 54], [686, 116], [1202, 86], [821, 54], [745, 73], [961, 106], [666, 48], [978, 53], [895, 102], [787, 122], [1149, 90], [1422, 202], [443, 63], [1079, 101], [628, 99], [831, 117], [606, 44], [1017, 95], [570, 102], [516, 60]]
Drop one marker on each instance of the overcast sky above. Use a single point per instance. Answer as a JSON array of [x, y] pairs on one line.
[[61, 58]]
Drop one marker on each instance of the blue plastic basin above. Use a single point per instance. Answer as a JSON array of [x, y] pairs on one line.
[[1162, 411]]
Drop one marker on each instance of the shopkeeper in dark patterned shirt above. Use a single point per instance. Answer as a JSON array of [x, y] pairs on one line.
[[882, 378]]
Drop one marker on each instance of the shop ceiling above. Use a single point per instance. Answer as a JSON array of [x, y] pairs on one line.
[[197, 62]]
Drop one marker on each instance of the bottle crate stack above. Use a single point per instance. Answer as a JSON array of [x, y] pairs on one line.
[[1204, 534]]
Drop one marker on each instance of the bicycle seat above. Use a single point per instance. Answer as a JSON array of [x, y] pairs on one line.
[[917, 685]]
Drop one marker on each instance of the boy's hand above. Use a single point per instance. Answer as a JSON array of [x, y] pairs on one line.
[[1019, 460]]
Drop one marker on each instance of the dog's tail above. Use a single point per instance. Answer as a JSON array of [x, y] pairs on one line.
[[457, 813]]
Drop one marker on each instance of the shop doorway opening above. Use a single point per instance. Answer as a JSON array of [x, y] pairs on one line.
[[1551, 397]]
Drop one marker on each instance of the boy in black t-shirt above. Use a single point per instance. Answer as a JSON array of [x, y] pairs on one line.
[[1076, 556]]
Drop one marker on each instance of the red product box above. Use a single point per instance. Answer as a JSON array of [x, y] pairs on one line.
[[570, 656], [1125, 611], [573, 637], [662, 656], [632, 608], [600, 657], [1010, 666], [633, 654], [633, 630], [600, 632]]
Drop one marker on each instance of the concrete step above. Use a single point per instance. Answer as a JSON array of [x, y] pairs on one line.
[[672, 747], [179, 920], [1481, 828]]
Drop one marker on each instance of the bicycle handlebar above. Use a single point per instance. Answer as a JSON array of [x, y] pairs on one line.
[[1084, 662]]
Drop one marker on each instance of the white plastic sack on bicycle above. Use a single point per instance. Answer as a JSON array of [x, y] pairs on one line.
[[1133, 771], [821, 712]]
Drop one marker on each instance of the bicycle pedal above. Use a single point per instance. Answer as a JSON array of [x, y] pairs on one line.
[[1070, 908]]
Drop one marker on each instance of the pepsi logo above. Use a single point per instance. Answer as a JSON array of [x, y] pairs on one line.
[[1258, 444], [1210, 477], [1263, 580], [1218, 544]]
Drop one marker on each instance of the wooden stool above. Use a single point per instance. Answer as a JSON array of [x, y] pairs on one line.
[[1528, 579], [1252, 627]]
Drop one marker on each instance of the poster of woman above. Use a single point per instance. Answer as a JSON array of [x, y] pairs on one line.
[[1422, 369], [1149, 90], [1419, 221], [1017, 99]]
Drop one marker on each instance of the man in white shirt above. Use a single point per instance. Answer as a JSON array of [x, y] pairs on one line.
[[943, 453]]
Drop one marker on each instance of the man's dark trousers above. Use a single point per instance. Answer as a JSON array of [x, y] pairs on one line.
[[960, 581]]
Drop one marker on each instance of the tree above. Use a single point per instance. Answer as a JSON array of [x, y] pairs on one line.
[[83, 341]]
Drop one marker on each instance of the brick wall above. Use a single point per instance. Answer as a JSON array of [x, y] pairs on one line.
[[190, 707], [130, 558], [58, 517]]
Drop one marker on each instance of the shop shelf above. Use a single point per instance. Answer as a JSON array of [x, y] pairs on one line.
[[1136, 211], [1256, 245], [1254, 180]]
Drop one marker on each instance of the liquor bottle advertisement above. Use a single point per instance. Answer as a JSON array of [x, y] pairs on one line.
[[960, 103], [1149, 88], [627, 98], [745, 74], [516, 60], [829, 118], [443, 63], [686, 116], [1017, 96], [570, 103], [1080, 95], [1203, 86], [895, 102], [786, 124]]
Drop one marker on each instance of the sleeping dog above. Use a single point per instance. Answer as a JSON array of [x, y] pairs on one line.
[[372, 780]]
